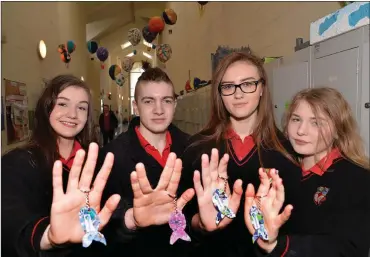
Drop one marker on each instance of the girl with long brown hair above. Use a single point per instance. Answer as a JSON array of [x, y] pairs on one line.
[[45, 184], [332, 216], [242, 130]]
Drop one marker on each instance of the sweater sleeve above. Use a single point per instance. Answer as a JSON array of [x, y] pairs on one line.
[[24, 215]]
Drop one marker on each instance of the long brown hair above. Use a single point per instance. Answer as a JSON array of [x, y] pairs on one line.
[[44, 137], [265, 130], [333, 105]]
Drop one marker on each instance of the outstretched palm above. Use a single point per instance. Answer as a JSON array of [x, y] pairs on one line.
[[271, 201], [154, 206], [212, 172], [64, 219]]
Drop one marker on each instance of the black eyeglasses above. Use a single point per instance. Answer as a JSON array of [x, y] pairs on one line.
[[246, 87]]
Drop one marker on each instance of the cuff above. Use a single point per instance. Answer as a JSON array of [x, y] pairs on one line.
[[37, 232], [280, 249]]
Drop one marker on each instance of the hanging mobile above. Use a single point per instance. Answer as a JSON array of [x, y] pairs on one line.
[[258, 222], [90, 223], [177, 223], [221, 202]]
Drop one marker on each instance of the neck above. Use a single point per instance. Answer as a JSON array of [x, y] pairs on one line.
[[158, 140], [309, 161], [245, 126], [65, 146]]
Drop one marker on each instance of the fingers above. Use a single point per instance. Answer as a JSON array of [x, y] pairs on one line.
[[108, 210], [185, 198], [167, 172], [280, 194], [74, 174], [206, 174], [175, 178], [143, 179], [135, 185], [57, 181], [213, 165], [284, 216], [222, 167], [249, 197], [197, 184], [103, 175], [89, 167], [236, 196], [264, 187]]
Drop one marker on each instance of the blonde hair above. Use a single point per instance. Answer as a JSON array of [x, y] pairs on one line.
[[332, 104]]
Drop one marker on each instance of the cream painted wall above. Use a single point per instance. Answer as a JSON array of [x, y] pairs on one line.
[[269, 28], [24, 24]]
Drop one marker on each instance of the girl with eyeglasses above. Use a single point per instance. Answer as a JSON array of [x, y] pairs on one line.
[[241, 133]]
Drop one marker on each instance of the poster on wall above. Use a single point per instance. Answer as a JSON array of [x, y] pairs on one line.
[[16, 105]]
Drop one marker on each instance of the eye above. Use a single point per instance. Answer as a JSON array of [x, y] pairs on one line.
[[168, 101], [62, 104], [227, 86], [294, 119], [249, 84], [147, 101], [82, 108]]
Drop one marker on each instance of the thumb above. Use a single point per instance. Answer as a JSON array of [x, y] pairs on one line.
[[249, 197], [108, 209], [185, 198], [285, 215]]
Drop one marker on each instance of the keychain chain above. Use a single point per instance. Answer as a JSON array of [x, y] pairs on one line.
[[225, 182], [87, 201]]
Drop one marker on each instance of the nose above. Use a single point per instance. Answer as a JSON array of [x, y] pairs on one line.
[[72, 112], [302, 129], [238, 93], [158, 108]]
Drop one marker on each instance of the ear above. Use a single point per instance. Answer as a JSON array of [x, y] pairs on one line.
[[136, 109], [175, 104]]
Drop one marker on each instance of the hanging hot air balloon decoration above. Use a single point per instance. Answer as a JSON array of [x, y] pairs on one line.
[[64, 54], [156, 24], [102, 54], [127, 64], [149, 36], [201, 6], [92, 47], [164, 52], [169, 16], [115, 73], [134, 37]]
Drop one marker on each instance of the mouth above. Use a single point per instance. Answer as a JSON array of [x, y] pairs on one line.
[[239, 105], [159, 121], [300, 142], [69, 124]]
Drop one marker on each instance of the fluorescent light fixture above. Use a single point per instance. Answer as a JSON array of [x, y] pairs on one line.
[[147, 44], [147, 55], [125, 45], [130, 54], [42, 49]]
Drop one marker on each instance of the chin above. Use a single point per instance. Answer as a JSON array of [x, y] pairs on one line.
[[156, 128], [303, 150]]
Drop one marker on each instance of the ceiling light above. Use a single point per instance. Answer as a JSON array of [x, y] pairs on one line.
[[130, 54], [125, 45], [147, 55], [42, 49], [147, 44]]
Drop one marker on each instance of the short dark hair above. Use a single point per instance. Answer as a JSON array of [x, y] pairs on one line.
[[44, 137], [153, 75]]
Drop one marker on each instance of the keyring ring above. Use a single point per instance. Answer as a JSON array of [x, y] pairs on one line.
[[85, 191], [220, 177], [171, 195], [260, 197]]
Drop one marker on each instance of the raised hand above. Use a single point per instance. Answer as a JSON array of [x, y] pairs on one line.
[[65, 226], [154, 206], [213, 175], [271, 201]]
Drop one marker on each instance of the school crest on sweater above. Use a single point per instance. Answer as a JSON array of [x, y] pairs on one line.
[[320, 195]]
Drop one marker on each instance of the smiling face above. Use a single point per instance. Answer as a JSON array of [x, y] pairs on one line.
[[70, 112], [155, 104], [241, 105], [309, 134]]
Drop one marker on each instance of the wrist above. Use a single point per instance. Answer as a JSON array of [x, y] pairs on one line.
[[129, 220], [271, 246]]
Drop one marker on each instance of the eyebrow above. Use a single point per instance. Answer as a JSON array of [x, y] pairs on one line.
[[312, 118], [230, 82], [65, 98], [152, 98]]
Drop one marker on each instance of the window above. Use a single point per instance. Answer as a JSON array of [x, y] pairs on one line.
[[134, 76]]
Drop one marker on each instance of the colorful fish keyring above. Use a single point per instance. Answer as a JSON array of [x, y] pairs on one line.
[[90, 223], [258, 222], [177, 223], [221, 203]]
